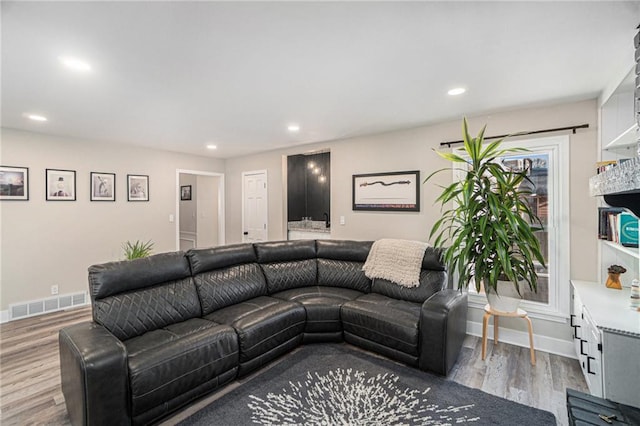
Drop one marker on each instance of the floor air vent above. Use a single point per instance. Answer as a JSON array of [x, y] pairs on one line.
[[50, 304]]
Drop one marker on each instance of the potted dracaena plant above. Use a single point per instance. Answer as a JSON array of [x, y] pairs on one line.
[[487, 225]]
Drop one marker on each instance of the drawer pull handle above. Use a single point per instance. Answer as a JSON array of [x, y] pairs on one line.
[[589, 358], [582, 352]]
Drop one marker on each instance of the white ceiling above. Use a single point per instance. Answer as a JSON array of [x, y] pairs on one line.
[[179, 75]]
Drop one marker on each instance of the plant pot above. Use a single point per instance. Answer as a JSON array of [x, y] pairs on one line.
[[506, 300], [613, 281]]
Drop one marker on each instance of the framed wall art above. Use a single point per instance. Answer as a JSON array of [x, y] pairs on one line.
[[103, 186], [185, 192], [137, 188], [393, 191], [14, 183], [61, 185]]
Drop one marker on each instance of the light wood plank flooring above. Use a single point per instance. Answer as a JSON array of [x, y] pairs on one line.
[[30, 392]]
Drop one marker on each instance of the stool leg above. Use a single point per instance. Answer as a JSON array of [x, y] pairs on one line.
[[495, 329], [485, 321], [531, 349]]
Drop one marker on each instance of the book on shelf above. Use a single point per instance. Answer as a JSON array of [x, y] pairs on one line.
[[603, 166], [606, 216], [627, 230], [618, 226]]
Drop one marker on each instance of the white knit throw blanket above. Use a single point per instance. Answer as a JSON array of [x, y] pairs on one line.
[[398, 261]]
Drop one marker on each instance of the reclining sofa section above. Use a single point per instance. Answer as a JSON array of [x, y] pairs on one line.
[[173, 327]]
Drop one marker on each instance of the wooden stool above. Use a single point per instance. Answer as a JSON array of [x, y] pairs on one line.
[[520, 313]]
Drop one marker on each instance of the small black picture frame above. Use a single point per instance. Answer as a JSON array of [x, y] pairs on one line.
[[14, 183], [60, 185], [103, 186], [137, 188], [391, 191], [185, 193]]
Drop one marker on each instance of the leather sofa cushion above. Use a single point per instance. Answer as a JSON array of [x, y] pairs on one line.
[[343, 273], [286, 275], [203, 260], [432, 259], [227, 286], [168, 362], [389, 322], [116, 277], [134, 313], [354, 251], [322, 305], [431, 282], [262, 324], [285, 251]]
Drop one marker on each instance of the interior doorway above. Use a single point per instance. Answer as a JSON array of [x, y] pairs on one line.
[[199, 209], [255, 214]]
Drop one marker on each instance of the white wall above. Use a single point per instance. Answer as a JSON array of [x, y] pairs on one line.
[[45, 243], [413, 150]]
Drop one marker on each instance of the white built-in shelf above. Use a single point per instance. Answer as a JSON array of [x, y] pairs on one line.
[[627, 139], [631, 251]]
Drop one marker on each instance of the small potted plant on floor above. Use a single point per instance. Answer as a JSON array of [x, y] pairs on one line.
[[487, 225], [137, 250]]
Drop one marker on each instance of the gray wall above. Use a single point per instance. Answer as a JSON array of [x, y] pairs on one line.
[[46, 242], [413, 150]]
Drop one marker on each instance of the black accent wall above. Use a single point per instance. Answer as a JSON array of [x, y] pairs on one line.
[[307, 194]]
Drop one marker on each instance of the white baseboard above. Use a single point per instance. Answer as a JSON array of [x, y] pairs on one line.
[[4, 316], [520, 338]]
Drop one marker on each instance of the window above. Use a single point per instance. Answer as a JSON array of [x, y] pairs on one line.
[[548, 162]]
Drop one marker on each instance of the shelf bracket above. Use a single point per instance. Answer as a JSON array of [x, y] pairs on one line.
[[630, 201]]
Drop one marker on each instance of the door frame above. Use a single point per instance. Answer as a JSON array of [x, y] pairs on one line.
[[266, 200], [221, 206]]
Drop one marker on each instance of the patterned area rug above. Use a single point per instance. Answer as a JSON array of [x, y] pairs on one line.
[[336, 384]]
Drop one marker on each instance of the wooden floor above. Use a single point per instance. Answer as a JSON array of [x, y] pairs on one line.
[[30, 391]]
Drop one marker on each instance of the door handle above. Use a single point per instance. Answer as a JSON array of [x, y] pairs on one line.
[[589, 358]]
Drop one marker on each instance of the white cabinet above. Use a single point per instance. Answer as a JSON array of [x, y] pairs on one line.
[[308, 235], [607, 341]]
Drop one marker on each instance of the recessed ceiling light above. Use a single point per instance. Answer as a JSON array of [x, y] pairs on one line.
[[74, 64], [456, 91], [36, 117], [293, 128], [212, 146]]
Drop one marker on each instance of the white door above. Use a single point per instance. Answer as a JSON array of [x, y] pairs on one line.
[[254, 206]]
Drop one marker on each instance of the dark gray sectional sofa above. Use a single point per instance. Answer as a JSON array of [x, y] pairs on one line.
[[175, 326]]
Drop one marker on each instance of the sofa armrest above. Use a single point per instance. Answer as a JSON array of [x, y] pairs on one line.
[[443, 326], [94, 375]]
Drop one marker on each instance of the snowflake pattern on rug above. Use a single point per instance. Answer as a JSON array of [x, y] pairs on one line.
[[351, 397]]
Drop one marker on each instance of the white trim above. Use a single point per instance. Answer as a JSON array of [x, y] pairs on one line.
[[266, 201], [4, 316], [536, 310], [221, 205], [521, 338]]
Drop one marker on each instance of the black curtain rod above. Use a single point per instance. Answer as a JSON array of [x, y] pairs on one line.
[[532, 132]]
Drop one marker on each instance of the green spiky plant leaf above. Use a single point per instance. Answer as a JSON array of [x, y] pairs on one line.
[[137, 250], [487, 229]]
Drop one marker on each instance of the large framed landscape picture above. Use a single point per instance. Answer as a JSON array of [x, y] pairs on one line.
[[393, 191], [14, 183]]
